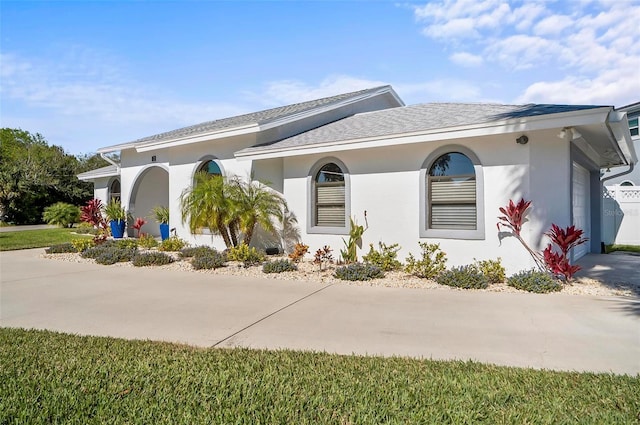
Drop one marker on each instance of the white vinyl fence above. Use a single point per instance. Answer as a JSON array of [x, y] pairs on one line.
[[621, 215]]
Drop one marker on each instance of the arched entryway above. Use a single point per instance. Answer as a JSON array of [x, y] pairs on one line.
[[151, 189]]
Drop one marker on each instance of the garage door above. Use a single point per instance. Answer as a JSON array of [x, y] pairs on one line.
[[581, 210]]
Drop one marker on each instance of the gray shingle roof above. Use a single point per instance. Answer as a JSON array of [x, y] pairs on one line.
[[410, 119], [257, 118]]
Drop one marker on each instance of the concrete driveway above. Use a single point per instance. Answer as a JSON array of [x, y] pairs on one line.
[[561, 332]]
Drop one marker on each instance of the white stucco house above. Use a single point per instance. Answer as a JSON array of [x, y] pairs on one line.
[[434, 172]]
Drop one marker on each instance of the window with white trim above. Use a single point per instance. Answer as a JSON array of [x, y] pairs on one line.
[[114, 190], [451, 182], [329, 194]]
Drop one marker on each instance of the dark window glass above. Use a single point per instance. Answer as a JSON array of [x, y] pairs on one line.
[[212, 168]]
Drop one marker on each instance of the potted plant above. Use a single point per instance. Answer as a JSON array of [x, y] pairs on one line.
[[117, 217], [162, 217]]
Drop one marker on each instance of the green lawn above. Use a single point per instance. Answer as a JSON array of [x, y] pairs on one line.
[[628, 248], [48, 377], [36, 238]]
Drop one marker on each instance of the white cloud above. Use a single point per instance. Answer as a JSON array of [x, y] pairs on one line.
[[586, 46], [552, 25], [616, 86], [88, 90], [285, 92], [466, 59]]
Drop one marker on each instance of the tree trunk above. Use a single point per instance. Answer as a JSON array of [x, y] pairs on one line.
[[233, 231], [222, 229], [249, 235]]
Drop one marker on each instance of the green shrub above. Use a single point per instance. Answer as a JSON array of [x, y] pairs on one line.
[[432, 263], [82, 244], [279, 266], [114, 255], [173, 243], [96, 251], [127, 243], [61, 248], [147, 241], [61, 214], [358, 271], [534, 281], [85, 228], [465, 277], [491, 269], [249, 256], [385, 258], [142, 259], [193, 251], [208, 259]]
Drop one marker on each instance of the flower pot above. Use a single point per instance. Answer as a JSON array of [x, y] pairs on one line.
[[164, 231], [117, 228]]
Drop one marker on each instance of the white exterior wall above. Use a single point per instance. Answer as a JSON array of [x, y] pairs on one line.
[[385, 182], [101, 189], [183, 164]]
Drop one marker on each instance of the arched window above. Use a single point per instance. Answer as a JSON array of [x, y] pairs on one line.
[[627, 183], [452, 193], [114, 190], [211, 167], [329, 196]]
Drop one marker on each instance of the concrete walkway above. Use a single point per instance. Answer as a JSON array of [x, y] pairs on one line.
[[557, 331]]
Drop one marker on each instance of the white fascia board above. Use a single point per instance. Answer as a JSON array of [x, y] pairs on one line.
[[519, 125], [116, 148], [219, 134], [619, 127], [315, 111], [90, 177]]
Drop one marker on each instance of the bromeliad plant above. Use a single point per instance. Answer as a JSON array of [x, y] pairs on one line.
[[555, 261], [137, 225]]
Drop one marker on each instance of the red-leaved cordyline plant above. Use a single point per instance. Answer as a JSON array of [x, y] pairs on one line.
[[565, 240], [137, 225], [514, 215], [92, 214]]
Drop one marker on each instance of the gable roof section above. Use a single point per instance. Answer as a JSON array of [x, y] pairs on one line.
[[412, 119], [253, 120]]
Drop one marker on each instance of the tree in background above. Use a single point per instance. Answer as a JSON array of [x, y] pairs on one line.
[[34, 175]]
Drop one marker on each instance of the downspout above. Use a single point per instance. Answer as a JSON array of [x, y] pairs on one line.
[[631, 167], [110, 161]]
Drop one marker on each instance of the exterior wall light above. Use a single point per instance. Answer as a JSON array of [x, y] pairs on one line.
[[522, 140]]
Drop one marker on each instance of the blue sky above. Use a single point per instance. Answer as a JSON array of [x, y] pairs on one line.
[[92, 74]]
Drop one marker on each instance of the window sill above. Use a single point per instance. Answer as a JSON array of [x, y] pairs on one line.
[[477, 234], [316, 230]]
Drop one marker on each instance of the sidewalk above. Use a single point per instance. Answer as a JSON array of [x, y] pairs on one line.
[[555, 331]]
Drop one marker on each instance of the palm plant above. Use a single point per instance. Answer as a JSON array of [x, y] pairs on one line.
[[207, 205], [228, 206], [253, 204]]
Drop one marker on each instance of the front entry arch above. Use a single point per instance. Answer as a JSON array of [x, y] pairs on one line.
[[151, 189]]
